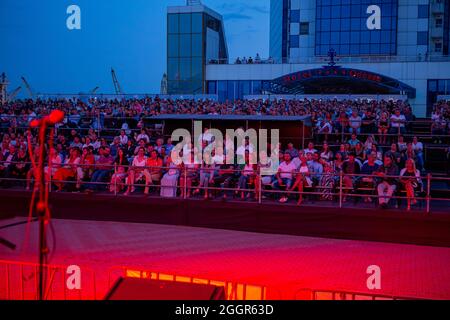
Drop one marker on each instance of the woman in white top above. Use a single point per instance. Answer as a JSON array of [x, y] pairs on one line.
[[123, 138], [136, 171], [302, 179], [410, 178]]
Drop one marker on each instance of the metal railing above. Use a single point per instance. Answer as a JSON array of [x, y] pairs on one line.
[[18, 281], [340, 59], [188, 182]]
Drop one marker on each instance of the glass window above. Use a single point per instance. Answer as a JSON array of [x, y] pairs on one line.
[[231, 90], [338, 16], [294, 41], [197, 23], [256, 87], [197, 87], [185, 23], [422, 38], [432, 85], [295, 15], [173, 45], [185, 69], [222, 90], [197, 69], [304, 28], [212, 87], [185, 45], [438, 22], [172, 24], [172, 69], [422, 11], [197, 45]]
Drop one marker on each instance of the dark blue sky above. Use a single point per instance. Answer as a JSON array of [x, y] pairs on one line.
[[128, 35]]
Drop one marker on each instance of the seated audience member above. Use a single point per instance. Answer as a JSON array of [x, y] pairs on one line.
[[136, 172], [383, 127], [398, 122], [417, 147], [292, 151], [388, 184], [327, 180], [394, 155], [153, 171], [224, 178], [120, 172], [18, 167], [353, 141], [68, 170], [86, 166], [31, 172], [401, 144], [351, 169], [55, 162], [285, 175], [302, 179], [103, 168], [247, 175], [310, 149], [315, 168], [355, 123], [123, 138], [410, 179], [326, 153], [368, 169], [189, 173], [169, 181], [207, 169]]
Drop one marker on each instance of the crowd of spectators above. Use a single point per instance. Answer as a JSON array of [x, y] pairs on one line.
[[140, 159]]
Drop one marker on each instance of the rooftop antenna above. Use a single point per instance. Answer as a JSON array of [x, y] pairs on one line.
[[164, 84]]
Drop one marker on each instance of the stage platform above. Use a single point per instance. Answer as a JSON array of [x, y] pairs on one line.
[[283, 264], [351, 222]]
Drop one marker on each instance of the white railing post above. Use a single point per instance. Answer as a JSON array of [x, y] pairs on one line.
[[428, 192], [341, 177]]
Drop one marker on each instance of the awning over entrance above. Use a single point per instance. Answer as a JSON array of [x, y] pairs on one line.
[[338, 80]]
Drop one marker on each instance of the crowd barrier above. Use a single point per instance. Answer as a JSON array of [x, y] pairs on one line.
[[210, 183]]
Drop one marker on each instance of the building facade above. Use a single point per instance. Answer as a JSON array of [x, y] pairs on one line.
[[195, 35], [398, 47]]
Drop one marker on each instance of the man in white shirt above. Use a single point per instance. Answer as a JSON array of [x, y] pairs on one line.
[[285, 175], [355, 122], [398, 122]]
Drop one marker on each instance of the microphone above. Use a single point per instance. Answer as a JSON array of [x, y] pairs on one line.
[[56, 116]]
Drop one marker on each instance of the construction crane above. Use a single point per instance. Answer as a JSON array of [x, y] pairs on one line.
[[28, 87], [94, 91], [13, 94], [3, 87], [116, 82]]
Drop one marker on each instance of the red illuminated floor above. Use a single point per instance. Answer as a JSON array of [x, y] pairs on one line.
[[277, 261]]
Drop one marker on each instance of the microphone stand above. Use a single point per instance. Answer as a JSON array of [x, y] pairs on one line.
[[42, 209]]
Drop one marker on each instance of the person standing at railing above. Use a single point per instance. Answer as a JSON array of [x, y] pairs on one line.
[[247, 175], [388, 184], [410, 178]]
